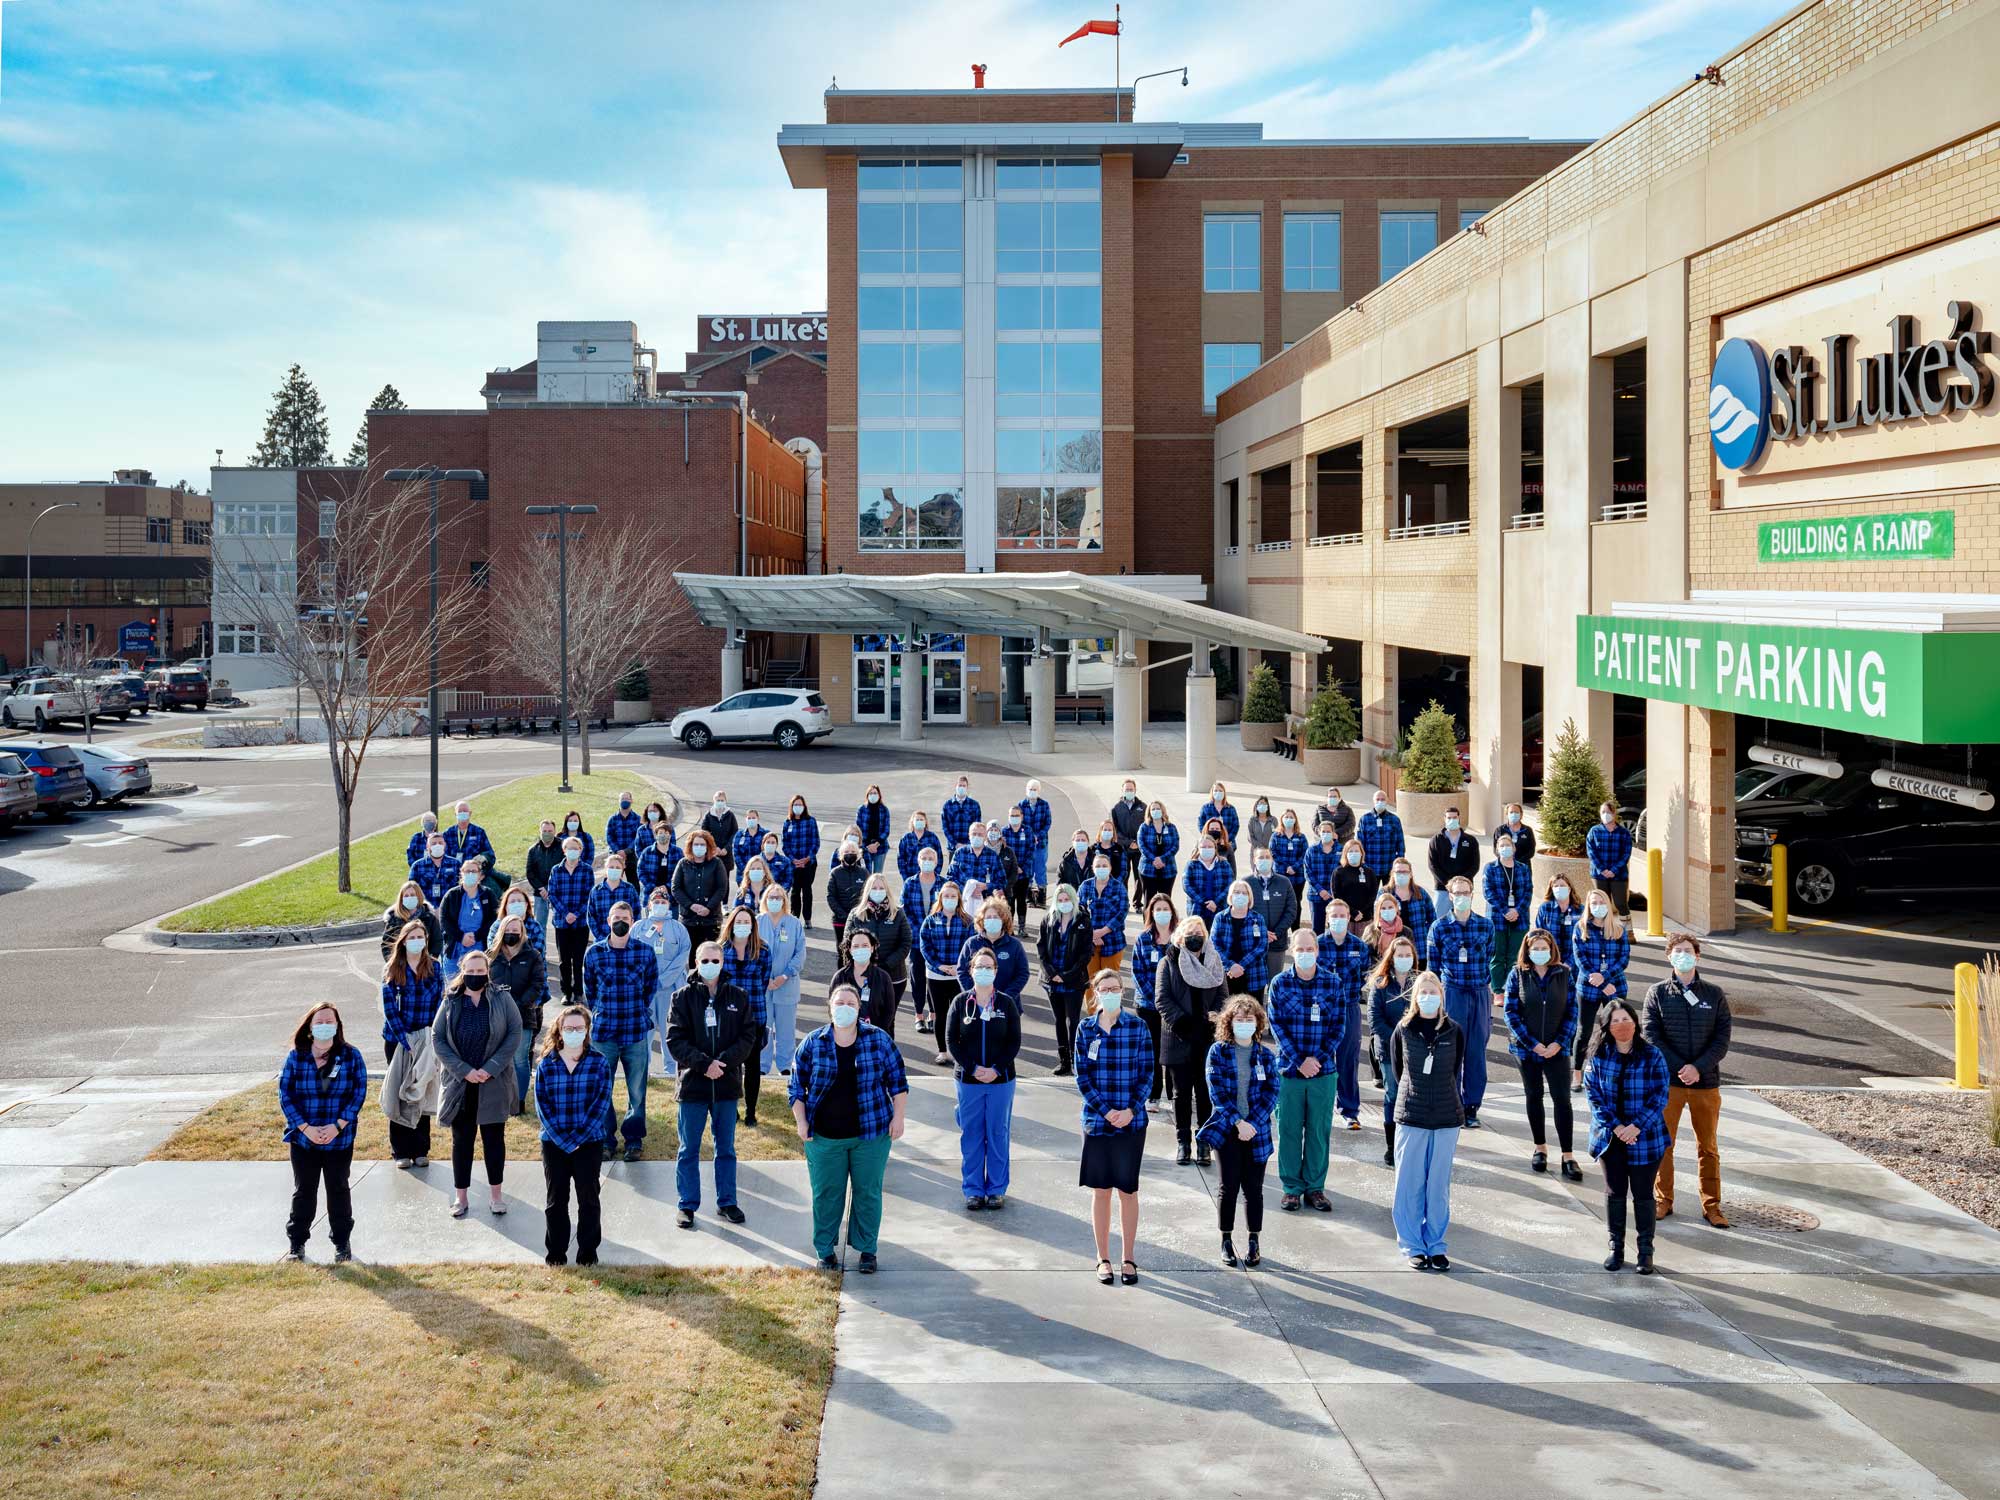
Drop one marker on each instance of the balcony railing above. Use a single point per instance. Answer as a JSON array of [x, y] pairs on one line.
[[1438, 528], [1624, 510], [1284, 546], [1527, 521], [1231, 551], [1342, 539]]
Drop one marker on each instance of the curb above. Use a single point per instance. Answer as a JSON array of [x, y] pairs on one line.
[[173, 789]]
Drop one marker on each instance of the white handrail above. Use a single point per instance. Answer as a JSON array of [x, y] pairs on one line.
[[1440, 528], [1340, 539], [1527, 521], [1623, 510], [1284, 546]]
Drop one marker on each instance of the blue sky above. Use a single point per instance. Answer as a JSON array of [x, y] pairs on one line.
[[195, 193]]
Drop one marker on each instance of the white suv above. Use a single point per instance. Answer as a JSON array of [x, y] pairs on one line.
[[792, 718]]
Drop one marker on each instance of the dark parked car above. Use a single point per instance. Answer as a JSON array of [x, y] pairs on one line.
[[18, 797], [60, 781], [177, 687]]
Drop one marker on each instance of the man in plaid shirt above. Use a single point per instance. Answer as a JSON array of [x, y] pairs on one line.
[[1381, 835], [959, 813], [1310, 1020], [1460, 952], [619, 978], [1104, 903], [465, 839], [1609, 846], [1344, 955], [621, 829], [612, 891], [1036, 818], [973, 859]]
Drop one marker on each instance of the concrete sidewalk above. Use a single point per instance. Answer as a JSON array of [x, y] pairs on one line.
[[1858, 1358]]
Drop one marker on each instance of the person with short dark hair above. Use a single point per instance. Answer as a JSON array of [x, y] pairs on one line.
[[848, 1094], [1453, 852], [1308, 1017], [1687, 1018], [718, 821], [711, 1034], [321, 1088], [620, 978], [1626, 1081], [1344, 954], [1541, 1033], [622, 827], [981, 1033], [572, 1096]]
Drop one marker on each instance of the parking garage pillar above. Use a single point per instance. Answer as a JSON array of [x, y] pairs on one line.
[[1200, 721], [1042, 698], [1125, 704], [732, 664], [912, 670]]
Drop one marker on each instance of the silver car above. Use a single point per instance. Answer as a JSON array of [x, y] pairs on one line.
[[113, 777], [18, 797]]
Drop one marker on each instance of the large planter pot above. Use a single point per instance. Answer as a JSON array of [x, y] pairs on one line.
[[1423, 812], [1339, 767], [1548, 866], [1258, 736], [1225, 710], [1387, 778], [632, 712]]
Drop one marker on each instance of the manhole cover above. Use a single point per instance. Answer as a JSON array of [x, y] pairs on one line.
[[1771, 1216]]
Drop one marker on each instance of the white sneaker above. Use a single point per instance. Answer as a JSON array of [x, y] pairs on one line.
[[421, 1161]]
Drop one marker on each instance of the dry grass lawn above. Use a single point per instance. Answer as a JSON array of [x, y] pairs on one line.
[[224, 1382], [249, 1127]]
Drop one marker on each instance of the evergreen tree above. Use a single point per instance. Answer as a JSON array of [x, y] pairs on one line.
[[295, 431], [1572, 791], [386, 399], [1266, 703], [1430, 764], [1331, 723]]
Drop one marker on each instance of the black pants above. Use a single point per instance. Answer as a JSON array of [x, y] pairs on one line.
[[492, 1140], [1068, 1011], [1586, 1025], [1621, 1177], [753, 1081], [408, 1141], [1620, 892], [570, 945], [1154, 885], [802, 890], [1190, 1097], [561, 1170], [1241, 1173], [1017, 895], [938, 994], [701, 930], [311, 1166], [1151, 1017], [1554, 1073]]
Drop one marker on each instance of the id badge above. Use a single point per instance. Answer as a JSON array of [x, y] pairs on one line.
[[708, 1018], [1258, 1072], [1428, 1058], [1463, 956], [1093, 1050], [1315, 1012]]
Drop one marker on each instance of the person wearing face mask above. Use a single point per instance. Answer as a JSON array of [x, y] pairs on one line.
[[1075, 867], [1192, 988], [1273, 902], [871, 822], [1603, 949], [477, 1033], [700, 888], [612, 890], [1243, 1093], [1065, 951], [942, 933], [1102, 900], [654, 856], [910, 847], [959, 813], [1687, 1019], [466, 917], [1510, 898], [982, 1036], [1461, 955], [1353, 881], [465, 839], [420, 841], [540, 862], [655, 820], [1206, 882], [1419, 911], [1453, 852], [1037, 817], [1389, 984], [410, 906], [1017, 846], [621, 829], [1159, 846], [746, 964], [748, 843], [660, 930], [1127, 816], [848, 1094], [1333, 810], [1515, 826], [758, 877], [1630, 1133], [1219, 809], [412, 987], [800, 836], [1427, 1053], [718, 821], [1225, 846], [1156, 936], [1381, 835], [572, 828], [920, 891], [1309, 1020], [1557, 914], [993, 932], [861, 971], [1609, 847], [1261, 828], [518, 900], [1239, 938], [321, 1088], [783, 936], [1345, 955], [780, 869], [620, 978], [1114, 1068], [976, 859], [572, 1096], [436, 874], [1323, 866], [1541, 1033], [712, 1033], [846, 879], [519, 971]]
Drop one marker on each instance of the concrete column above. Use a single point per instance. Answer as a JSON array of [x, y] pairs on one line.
[[1496, 682], [913, 692], [1126, 706], [1711, 822], [1576, 472], [732, 666], [1668, 798], [1379, 715], [1200, 732], [1042, 703]]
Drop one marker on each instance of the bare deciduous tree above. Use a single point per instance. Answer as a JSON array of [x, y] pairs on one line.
[[623, 603], [351, 629]]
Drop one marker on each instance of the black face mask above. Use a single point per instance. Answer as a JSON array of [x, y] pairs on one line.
[[475, 982], [850, 859], [1193, 944], [620, 927], [512, 940]]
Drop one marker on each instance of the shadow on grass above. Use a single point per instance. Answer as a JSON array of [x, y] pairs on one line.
[[471, 1326]]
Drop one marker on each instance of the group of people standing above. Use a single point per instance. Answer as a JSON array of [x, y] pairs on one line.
[[1255, 994]]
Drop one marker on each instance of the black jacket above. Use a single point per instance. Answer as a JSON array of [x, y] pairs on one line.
[[844, 885], [395, 919], [1073, 872], [454, 903], [694, 1046], [526, 976], [878, 991], [962, 1028], [540, 863], [1524, 842], [1545, 1002], [1065, 955], [1430, 1100], [1687, 1032], [1187, 1012], [1342, 819], [721, 832], [1357, 885], [1446, 865], [891, 931], [1128, 818], [704, 883], [1277, 903]]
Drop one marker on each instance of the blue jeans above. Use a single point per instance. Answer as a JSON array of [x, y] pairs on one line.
[[1347, 1064], [1038, 866], [542, 917], [524, 1065], [1388, 1094], [721, 1118], [1422, 1210], [783, 1012], [1472, 1010], [985, 1123], [663, 1003], [874, 861], [632, 1057]]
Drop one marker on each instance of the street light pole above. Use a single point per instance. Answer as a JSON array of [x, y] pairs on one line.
[[562, 513], [435, 475], [28, 591]]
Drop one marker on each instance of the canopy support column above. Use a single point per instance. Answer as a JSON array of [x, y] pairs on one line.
[[1200, 720], [1042, 697], [1125, 701], [732, 664], [912, 670]]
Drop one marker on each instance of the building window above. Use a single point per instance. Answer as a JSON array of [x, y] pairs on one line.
[[1047, 218], [1230, 247], [265, 580], [1312, 252], [910, 176], [916, 238], [159, 529], [327, 511], [244, 640], [257, 519], [481, 571], [1406, 239], [1467, 217], [194, 533], [897, 517], [898, 381], [1222, 365]]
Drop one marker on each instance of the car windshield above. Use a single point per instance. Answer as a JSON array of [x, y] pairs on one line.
[[58, 755], [813, 700], [13, 765]]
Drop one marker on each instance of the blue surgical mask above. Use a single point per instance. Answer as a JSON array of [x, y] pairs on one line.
[[1539, 956], [992, 926], [1305, 961], [1245, 1032], [410, 902], [709, 968], [324, 1031], [982, 979], [1337, 926], [573, 1039], [1428, 1003], [1451, 823], [1404, 963], [1461, 904], [1353, 856], [845, 1016], [1065, 907], [1683, 961]]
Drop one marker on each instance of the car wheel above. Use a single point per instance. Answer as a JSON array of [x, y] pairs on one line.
[[789, 736], [41, 722], [96, 799], [7, 717], [124, 717], [696, 737], [1817, 885]]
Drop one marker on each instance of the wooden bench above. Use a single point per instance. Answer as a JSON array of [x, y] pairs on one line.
[[1079, 704]]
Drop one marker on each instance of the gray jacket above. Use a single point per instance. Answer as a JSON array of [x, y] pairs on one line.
[[1278, 904], [498, 1096]]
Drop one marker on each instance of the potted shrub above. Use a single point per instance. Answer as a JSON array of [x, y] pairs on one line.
[[1331, 756], [1430, 775], [633, 703], [1573, 788], [1263, 709], [1219, 662], [1389, 770]]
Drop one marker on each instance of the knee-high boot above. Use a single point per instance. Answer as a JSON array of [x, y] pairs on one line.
[[1615, 1223]]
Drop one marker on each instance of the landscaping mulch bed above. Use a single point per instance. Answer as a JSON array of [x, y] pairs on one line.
[[1941, 1142]]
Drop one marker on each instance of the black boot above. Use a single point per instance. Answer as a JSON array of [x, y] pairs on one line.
[[1250, 1256], [1201, 1156], [1228, 1250], [1615, 1223], [1389, 1142], [1645, 1228], [1184, 1156]]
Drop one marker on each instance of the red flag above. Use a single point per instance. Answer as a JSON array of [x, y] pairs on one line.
[[1090, 28]]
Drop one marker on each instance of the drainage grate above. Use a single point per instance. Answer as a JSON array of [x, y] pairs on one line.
[[1771, 1216]]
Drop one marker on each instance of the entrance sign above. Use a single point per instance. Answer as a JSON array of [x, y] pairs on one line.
[[1883, 538], [135, 637], [1937, 687], [1920, 785], [1791, 760]]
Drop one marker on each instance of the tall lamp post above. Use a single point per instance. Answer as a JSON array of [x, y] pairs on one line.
[[562, 513], [436, 476], [28, 589]]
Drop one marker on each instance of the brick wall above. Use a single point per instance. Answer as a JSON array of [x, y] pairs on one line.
[[974, 106], [787, 394]]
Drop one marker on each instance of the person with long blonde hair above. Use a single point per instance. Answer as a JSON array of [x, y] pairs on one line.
[[1243, 1095], [572, 1097], [1427, 1053], [1114, 1071], [1603, 950]]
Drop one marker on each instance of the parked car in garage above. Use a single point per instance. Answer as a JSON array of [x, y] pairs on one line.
[[790, 718], [43, 701], [18, 797], [60, 782], [113, 776], [177, 687]]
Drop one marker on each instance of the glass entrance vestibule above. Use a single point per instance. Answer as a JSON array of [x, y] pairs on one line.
[[878, 679]]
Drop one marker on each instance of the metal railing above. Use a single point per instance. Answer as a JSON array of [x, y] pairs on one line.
[[1527, 521], [1438, 528], [1623, 510], [1284, 546], [1343, 539], [1231, 551], [460, 702]]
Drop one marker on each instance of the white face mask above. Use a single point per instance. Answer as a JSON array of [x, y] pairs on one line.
[[844, 1016], [1559, 892], [1607, 819], [437, 851], [862, 953], [573, 1039], [1539, 956], [1404, 963], [743, 929], [873, 798], [658, 912], [1461, 904], [982, 979], [947, 904], [1599, 910], [878, 894], [1305, 961], [1245, 1032], [1428, 1004]]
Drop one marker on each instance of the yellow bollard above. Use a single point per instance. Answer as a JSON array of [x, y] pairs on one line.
[[1965, 1027], [1656, 887], [1781, 888]]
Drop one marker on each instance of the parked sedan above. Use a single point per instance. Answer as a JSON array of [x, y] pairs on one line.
[[60, 782], [112, 776], [122, 694], [18, 797], [789, 717]]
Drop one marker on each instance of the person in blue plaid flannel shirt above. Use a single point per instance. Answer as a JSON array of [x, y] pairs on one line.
[[321, 1088], [1460, 952], [1114, 1073], [1627, 1083], [1243, 1094], [849, 1093], [572, 1096]]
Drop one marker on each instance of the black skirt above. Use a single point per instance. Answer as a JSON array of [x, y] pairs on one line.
[[1113, 1161]]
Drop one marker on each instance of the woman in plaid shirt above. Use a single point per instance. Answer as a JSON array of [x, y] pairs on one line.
[[1243, 1094], [1114, 1070], [801, 856], [1626, 1079], [321, 1089], [1603, 948], [572, 1096], [848, 1095], [1156, 935], [412, 989]]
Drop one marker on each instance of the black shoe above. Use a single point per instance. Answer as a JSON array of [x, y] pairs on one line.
[[1645, 1263], [613, 1148], [297, 1252], [995, 1202], [829, 1263], [1202, 1158], [632, 1151], [1251, 1256], [1131, 1277], [1388, 1156], [1615, 1259], [1289, 1203], [730, 1212], [586, 1260], [974, 1205], [555, 1260], [867, 1263], [1228, 1251], [1183, 1157], [1472, 1122], [342, 1254], [1420, 1262], [1440, 1262], [1571, 1170], [1063, 1069], [1540, 1162], [685, 1218]]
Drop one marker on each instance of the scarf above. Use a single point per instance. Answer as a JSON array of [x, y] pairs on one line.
[[1203, 971]]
